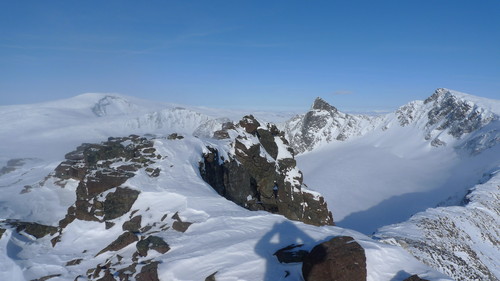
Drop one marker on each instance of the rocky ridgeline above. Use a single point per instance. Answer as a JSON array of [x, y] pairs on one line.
[[323, 123], [102, 196], [446, 115], [460, 241], [246, 169]]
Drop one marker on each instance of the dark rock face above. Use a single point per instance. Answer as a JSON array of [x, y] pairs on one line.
[[340, 259], [291, 254], [35, 229], [2, 231], [148, 272], [322, 123], [92, 165], [119, 202], [133, 224], [152, 242], [248, 176], [415, 278], [321, 104], [121, 242]]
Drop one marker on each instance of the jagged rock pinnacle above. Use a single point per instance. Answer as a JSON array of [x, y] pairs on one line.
[[321, 104]]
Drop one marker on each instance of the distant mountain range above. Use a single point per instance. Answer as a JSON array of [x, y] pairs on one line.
[[110, 187]]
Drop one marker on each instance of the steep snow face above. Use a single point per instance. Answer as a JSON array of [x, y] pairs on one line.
[[460, 241], [324, 124]]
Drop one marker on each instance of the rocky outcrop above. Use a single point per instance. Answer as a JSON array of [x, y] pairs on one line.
[[258, 159], [34, 229], [94, 166], [291, 254], [340, 259]]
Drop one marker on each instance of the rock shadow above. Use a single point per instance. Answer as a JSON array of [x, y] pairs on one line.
[[282, 234]]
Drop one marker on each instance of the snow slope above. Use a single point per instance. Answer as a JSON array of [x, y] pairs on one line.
[[423, 155], [465, 238], [224, 238], [236, 243]]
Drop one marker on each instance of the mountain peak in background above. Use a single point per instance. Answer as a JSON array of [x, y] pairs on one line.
[[133, 201]]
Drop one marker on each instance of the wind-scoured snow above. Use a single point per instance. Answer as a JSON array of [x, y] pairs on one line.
[[461, 241], [236, 243]]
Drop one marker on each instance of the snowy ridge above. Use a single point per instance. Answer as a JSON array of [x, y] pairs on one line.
[[445, 118], [216, 225], [461, 241]]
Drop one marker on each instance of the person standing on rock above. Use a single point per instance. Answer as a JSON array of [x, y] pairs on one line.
[[275, 190]]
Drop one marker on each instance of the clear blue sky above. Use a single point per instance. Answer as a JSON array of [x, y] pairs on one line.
[[358, 55]]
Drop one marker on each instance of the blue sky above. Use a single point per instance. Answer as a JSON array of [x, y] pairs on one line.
[[358, 55]]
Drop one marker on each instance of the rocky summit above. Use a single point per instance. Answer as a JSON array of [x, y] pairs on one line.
[[254, 160]]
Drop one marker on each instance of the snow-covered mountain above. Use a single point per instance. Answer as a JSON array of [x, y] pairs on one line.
[[462, 241], [426, 154], [139, 204]]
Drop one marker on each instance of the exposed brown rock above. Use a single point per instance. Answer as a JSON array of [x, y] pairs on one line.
[[35, 229], [121, 242], [152, 242], [133, 225], [119, 202], [211, 277], [340, 259], [148, 272], [74, 262], [291, 254], [415, 278]]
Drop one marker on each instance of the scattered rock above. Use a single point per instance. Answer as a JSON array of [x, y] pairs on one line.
[[152, 242], [121, 242], [148, 272], [32, 228], [291, 254], [179, 225], [74, 262], [119, 202], [415, 278], [211, 277], [46, 277], [133, 225], [340, 259], [175, 136]]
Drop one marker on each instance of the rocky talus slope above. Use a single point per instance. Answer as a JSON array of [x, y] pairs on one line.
[[460, 241]]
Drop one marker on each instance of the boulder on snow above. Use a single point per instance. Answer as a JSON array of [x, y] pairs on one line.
[[149, 272], [121, 242], [415, 278], [339, 259], [291, 254], [32, 228], [133, 225], [152, 242]]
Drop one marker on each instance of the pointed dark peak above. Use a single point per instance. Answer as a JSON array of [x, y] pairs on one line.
[[321, 104], [440, 92]]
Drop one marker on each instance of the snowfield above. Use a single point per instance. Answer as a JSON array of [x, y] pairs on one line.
[[377, 177]]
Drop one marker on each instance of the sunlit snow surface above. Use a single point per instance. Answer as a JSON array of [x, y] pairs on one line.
[[360, 179]]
